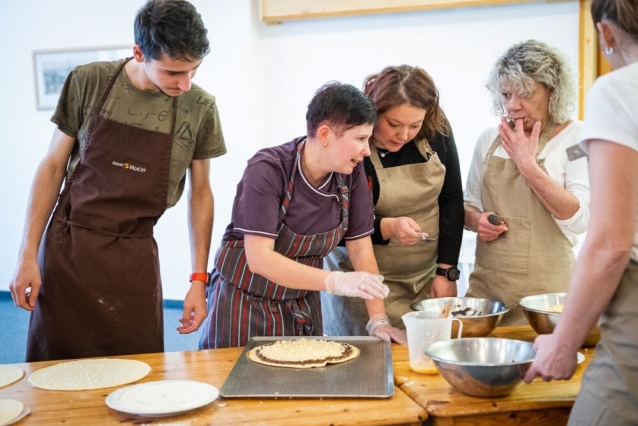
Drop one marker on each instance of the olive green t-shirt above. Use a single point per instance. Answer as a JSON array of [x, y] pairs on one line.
[[198, 132]]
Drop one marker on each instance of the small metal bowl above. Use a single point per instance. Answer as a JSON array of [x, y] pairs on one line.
[[539, 314], [485, 367], [489, 313]]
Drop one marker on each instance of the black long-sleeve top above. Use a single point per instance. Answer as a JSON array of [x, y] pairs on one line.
[[451, 213]]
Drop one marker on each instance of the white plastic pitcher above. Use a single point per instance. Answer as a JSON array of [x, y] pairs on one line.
[[423, 329]]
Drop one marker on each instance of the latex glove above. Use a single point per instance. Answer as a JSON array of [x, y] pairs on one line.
[[379, 326], [356, 284]]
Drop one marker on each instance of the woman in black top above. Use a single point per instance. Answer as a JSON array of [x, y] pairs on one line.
[[414, 174]]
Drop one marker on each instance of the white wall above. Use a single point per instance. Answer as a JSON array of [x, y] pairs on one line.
[[263, 77]]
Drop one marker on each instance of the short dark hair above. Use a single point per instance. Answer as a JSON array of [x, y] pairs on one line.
[[172, 27], [339, 105]]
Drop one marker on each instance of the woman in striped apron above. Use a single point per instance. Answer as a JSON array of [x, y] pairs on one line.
[[294, 203], [604, 286]]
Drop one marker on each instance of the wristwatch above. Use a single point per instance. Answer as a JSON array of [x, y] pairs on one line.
[[451, 273]]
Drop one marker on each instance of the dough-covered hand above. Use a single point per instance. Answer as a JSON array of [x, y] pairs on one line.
[[379, 326], [356, 284], [486, 231], [406, 230]]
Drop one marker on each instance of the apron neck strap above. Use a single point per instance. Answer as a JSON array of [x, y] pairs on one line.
[[109, 87]]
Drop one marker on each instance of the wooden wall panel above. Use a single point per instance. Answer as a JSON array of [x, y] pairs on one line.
[[282, 10]]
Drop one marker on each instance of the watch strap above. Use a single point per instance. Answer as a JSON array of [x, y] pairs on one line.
[[199, 276]]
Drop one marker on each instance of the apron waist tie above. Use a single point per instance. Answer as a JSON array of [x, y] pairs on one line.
[[69, 223], [302, 318]]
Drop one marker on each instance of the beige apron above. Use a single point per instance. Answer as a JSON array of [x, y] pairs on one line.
[[533, 256], [609, 391], [411, 190]]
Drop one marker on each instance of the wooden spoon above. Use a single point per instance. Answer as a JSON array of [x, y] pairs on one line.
[[446, 310]]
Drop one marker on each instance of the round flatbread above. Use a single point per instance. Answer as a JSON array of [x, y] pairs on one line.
[[303, 353], [88, 374], [9, 374], [10, 409]]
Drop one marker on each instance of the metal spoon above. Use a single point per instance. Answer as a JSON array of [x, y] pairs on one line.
[[428, 239]]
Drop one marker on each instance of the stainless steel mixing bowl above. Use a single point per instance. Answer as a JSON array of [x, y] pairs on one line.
[[482, 315], [483, 367], [538, 310]]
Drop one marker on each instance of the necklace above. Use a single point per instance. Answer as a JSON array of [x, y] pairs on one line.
[[382, 153]]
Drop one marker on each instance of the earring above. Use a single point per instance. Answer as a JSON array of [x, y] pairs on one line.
[[609, 50], [325, 144]]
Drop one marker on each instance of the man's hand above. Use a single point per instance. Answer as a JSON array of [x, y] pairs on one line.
[[194, 308], [25, 285]]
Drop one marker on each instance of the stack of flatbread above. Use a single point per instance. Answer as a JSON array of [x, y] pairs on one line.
[[10, 410]]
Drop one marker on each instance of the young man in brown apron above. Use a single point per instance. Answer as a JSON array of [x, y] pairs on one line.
[[95, 289]]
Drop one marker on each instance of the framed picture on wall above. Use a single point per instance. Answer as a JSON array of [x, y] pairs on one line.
[[53, 66]]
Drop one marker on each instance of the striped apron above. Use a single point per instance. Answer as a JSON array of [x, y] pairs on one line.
[[242, 304]]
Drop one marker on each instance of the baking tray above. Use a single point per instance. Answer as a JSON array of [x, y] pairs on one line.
[[369, 375]]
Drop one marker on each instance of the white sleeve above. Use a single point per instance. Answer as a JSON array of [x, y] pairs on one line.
[[611, 109], [473, 188], [577, 182]]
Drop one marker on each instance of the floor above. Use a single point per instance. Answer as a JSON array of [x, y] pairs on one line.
[[14, 323]]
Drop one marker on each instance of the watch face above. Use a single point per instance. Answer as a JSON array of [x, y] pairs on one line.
[[453, 274]]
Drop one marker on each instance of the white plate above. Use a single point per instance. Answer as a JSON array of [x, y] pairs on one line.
[[25, 411], [580, 358], [162, 398]]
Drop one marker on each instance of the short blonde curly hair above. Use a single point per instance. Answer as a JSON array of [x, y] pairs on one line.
[[533, 61]]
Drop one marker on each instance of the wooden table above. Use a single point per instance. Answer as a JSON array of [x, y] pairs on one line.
[[213, 366], [539, 403]]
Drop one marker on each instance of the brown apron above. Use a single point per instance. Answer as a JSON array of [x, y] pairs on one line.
[[101, 292], [609, 391], [533, 256], [411, 190], [242, 304]]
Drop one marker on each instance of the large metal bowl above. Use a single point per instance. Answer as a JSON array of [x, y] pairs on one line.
[[484, 367], [543, 319], [488, 313]]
